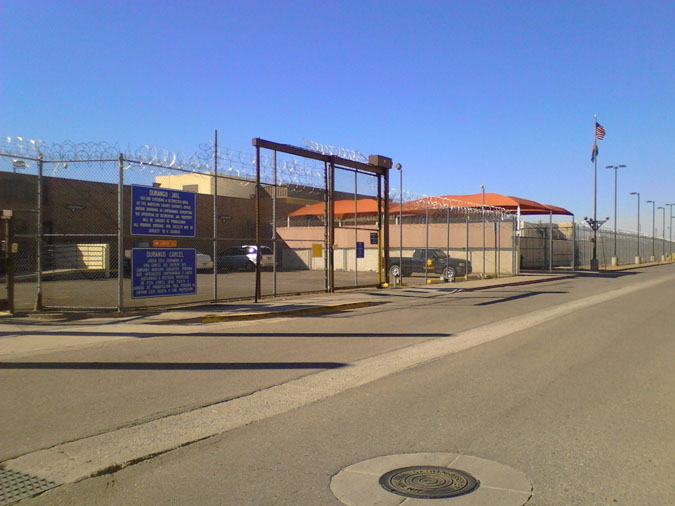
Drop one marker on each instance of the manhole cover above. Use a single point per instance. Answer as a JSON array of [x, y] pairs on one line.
[[428, 482]]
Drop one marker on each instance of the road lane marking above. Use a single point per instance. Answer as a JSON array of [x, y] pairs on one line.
[[77, 460]]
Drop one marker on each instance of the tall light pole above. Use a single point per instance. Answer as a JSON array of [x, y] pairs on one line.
[[653, 229], [399, 167], [663, 234], [637, 257], [615, 260], [482, 187], [670, 231]]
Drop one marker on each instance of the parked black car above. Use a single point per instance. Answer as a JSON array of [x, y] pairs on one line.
[[430, 260]]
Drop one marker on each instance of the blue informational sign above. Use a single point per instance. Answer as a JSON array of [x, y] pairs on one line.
[[373, 238], [166, 213], [162, 272], [360, 250]]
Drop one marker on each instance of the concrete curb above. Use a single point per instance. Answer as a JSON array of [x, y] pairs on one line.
[[292, 312]]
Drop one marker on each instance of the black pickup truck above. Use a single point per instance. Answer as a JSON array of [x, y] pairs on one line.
[[430, 260]]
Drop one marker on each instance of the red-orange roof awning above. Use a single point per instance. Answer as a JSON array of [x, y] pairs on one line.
[[341, 208], [494, 200], [368, 207]]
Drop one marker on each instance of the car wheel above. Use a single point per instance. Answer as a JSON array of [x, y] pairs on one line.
[[394, 271], [449, 274]]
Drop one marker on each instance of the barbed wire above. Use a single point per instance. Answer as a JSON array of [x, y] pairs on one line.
[[18, 146], [296, 173], [327, 149]]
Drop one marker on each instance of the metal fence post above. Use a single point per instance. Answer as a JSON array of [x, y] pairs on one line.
[[215, 216], [574, 243], [38, 294], [120, 233], [326, 234], [257, 224], [426, 250], [9, 258], [498, 252], [356, 230], [466, 275], [550, 241], [331, 227], [447, 209], [274, 228]]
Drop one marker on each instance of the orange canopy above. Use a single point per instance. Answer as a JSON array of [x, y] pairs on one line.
[[368, 207], [494, 200], [341, 208]]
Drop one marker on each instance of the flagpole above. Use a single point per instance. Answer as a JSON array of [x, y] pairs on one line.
[[594, 260]]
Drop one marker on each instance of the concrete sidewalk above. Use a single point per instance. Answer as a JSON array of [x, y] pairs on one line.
[[282, 306], [305, 304]]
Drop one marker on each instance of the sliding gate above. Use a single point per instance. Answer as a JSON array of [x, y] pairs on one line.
[[325, 229]]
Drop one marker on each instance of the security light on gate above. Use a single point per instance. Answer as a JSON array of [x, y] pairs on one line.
[[19, 165]]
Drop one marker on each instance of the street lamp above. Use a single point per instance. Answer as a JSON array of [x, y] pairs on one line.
[[615, 260], [637, 257], [663, 232], [653, 229], [482, 187], [399, 167]]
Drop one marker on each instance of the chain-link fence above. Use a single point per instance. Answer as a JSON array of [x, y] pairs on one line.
[[441, 239], [570, 245], [75, 217], [273, 221]]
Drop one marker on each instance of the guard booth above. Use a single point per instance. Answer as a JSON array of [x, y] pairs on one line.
[[7, 261]]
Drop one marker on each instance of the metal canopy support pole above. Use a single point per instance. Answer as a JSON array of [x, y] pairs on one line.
[[257, 223], [215, 216], [38, 295], [120, 234]]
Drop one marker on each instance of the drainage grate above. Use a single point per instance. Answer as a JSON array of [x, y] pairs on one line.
[[428, 482], [15, 486]]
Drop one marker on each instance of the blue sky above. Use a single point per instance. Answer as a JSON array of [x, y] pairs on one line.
[[461, 93]]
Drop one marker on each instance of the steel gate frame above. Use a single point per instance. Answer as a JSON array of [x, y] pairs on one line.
[[377, 165]]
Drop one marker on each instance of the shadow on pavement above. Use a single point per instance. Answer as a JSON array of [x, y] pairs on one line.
[[172, 366], [515, 297], [223, 334]]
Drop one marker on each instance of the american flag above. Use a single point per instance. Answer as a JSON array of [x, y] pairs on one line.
[[599, 131]]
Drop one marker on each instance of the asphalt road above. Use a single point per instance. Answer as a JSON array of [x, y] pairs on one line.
[[570, 382]]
